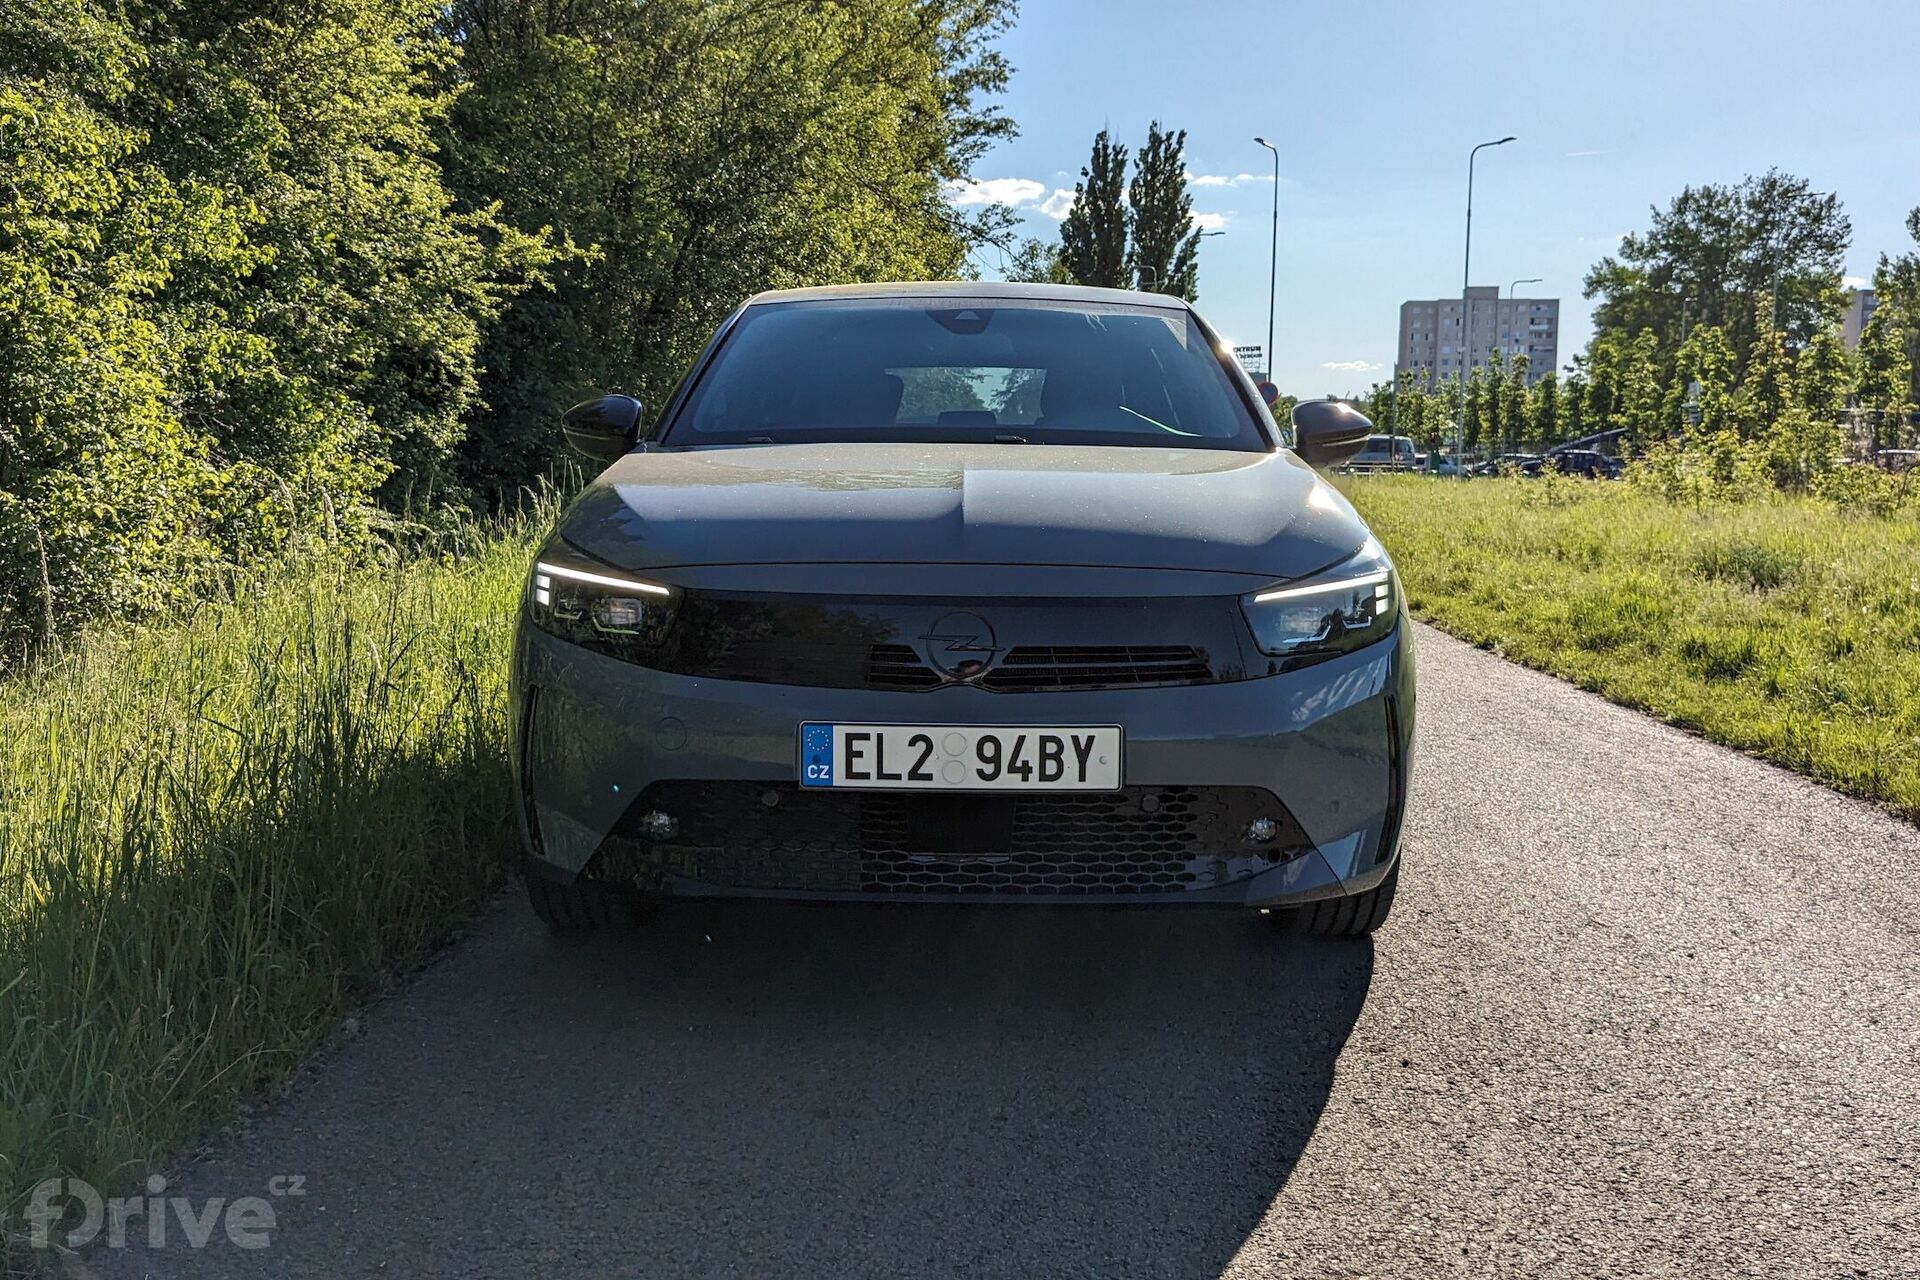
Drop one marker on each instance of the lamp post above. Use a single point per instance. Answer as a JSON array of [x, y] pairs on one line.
[[1510, 288], [1273, 257], [1466, 312]]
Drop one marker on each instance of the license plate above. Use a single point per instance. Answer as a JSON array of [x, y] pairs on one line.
[[960, 757]]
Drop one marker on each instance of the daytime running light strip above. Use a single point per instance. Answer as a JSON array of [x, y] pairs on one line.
[[1345, 584], [600, 579]]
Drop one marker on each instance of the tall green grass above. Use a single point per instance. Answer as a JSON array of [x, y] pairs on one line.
[[1781, 626], [217, 834]]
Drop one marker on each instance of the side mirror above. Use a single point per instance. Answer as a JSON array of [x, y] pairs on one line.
[[604, 428], [1328, 432]]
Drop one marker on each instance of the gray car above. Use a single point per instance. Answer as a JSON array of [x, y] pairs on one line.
[[964, 593]]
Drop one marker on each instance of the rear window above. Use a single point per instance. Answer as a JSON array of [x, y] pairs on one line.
[[936, 371]]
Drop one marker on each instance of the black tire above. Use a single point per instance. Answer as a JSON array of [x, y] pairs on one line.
[[1353, 916], [581, 907]]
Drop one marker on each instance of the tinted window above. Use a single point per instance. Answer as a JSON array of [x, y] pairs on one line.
[[917, 369]]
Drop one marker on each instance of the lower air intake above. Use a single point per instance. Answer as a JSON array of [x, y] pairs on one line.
[[778, 837]]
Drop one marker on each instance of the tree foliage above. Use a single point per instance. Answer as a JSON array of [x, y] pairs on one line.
[[273, 277], [1716, 252], [703, 150], [1164, 255], [1897, 284], [1093, 236]]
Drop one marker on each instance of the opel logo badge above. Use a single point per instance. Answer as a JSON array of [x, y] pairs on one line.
[[960, 646]]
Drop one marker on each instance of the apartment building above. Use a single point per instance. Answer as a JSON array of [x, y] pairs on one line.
[[1860, 307], [1432, 346]]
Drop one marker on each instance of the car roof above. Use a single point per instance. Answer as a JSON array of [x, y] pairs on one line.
[[974, 290]]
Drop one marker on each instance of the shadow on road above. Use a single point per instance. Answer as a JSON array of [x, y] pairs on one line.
[[792, 1090], [785, 1088]]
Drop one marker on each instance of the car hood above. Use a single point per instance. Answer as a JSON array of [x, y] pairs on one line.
[[1265, 514]]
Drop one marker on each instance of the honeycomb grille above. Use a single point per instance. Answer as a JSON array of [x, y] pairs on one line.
[[1125, 845]]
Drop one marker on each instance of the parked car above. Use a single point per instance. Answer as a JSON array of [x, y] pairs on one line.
[[1590, 463], [964, 592], [1526, 464], [1386, 453], [1897, 460]]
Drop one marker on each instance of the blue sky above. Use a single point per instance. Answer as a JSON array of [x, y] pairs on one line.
[[1617, 106]]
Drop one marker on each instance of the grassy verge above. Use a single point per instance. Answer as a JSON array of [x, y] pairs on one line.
[[1782, 627], [217, 834]]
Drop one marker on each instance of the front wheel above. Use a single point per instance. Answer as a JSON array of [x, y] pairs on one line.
[[1353, 916]]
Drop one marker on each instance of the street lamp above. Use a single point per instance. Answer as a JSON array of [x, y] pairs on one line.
[[1273, 257], [1466, 311], [1514, 318]]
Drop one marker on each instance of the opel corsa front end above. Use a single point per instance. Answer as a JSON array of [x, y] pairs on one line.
[[962, 593]]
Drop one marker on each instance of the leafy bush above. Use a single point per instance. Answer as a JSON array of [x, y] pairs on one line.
[[253, 258], [1870, 490], [1720, 468]]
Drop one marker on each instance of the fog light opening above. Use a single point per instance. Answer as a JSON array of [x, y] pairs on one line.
[[1262, 831], [656, 824]]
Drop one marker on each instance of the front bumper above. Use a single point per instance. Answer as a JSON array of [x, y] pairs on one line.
[[597, 740]]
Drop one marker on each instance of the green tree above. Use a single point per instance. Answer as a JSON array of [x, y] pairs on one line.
[[1766, 390], [1093, 237], [102, 479], [1164, 255], [1704, 374], [1885, 378], [349, 355], [1511, 393], [1572, 407], [1038, 262], [1475, 426], [1824, 376], [699, 151], [1717, 251], [1897, 284], [1542, 408], [238, 212]]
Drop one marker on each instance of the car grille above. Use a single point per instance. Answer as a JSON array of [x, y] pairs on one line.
[[1047, 668], [896, 666], [780, 837], [1040, 668], [860, 644]]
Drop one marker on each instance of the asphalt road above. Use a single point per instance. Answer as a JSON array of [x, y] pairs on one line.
[[1645, 1007]]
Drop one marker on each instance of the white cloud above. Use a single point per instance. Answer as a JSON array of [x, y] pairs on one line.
[[1058, 204], [1598, 151], [1210, 221], [1010, 191], [1853, 282], [1351, 366], [1225, 180]]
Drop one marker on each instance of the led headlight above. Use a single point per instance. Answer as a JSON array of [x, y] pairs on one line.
[[579, 600], [1344, 608]]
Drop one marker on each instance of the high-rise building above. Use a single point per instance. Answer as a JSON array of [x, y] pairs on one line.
[[1860, 305], [1432, 346]]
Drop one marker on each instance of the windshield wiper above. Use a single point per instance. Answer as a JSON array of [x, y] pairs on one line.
[[1191, 435]]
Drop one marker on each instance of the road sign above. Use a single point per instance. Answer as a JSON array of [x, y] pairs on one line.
[[1269, 393], [1252, 359]]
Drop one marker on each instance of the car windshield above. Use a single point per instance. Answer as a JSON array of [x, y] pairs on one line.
[[930, 370]]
